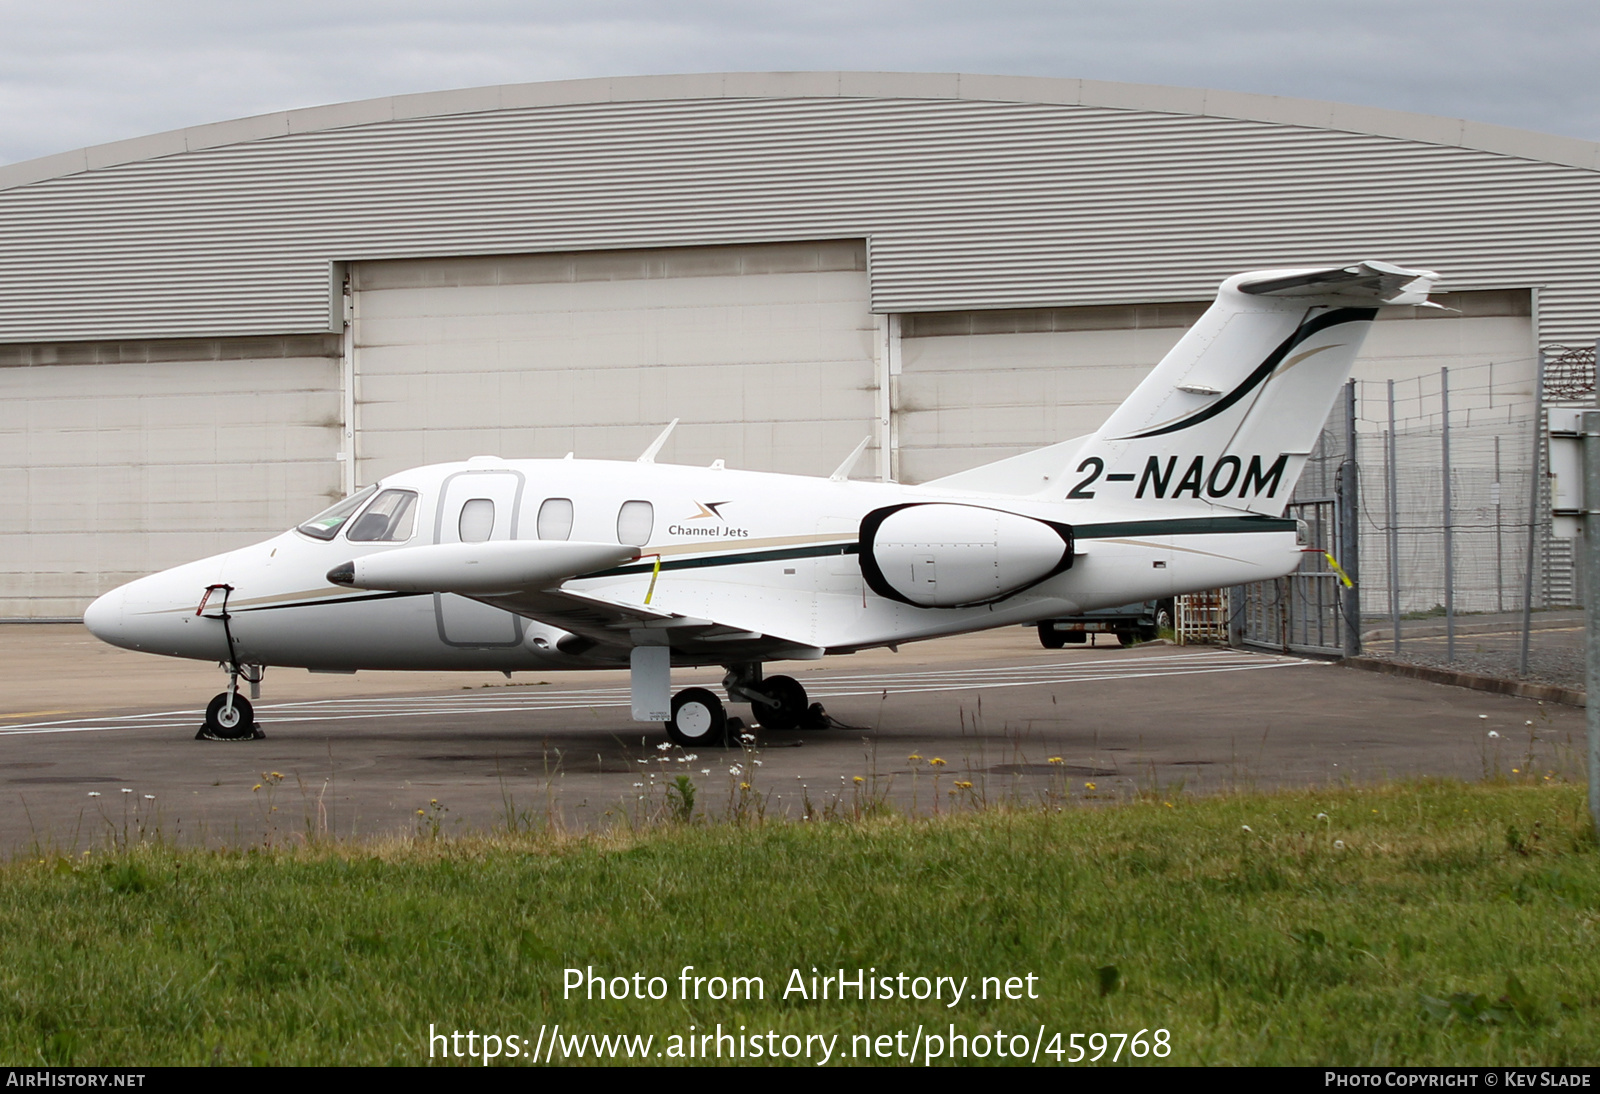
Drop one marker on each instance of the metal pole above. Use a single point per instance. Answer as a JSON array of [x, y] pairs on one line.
[[1591, 613], [1394, 529], [1350, 526], [1449, 545], [1499, 547], [1533, 512]]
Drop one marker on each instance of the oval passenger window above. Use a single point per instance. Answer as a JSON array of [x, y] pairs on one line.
[[635, 521], [555, 519], [477, 520]]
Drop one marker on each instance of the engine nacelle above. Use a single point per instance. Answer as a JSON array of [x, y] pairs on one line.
[[946, 555]]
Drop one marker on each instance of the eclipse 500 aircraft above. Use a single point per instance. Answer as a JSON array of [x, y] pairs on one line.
[[512, 565]]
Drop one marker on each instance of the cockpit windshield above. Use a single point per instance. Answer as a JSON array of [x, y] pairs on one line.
[[389, 519], [326, 524]]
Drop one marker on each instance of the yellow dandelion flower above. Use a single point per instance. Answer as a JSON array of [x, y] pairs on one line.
[[913, 756], [936, 762], [962, 784], [254, 788], [1055, 760], [858, 779], [421, 813], [1088, 786], [744, 786]]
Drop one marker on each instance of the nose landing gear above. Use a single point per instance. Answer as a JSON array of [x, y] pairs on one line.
[[230, 716]]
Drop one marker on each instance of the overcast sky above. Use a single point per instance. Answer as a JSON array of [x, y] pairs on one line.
[[80, 72]]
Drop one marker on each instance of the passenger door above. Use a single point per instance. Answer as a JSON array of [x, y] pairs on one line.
[[476, 506]]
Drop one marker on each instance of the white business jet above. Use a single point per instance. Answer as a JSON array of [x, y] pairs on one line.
[[510, 565]]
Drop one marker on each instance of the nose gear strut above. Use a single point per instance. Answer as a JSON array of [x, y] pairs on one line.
[[230, 716]]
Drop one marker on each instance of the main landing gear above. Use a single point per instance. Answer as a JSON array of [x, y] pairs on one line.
[[776, 702]]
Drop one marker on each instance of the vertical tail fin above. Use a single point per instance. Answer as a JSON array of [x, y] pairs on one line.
[[1231, 414]]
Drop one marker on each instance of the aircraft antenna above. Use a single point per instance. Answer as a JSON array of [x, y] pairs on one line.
[[849, 463], [649, 454]]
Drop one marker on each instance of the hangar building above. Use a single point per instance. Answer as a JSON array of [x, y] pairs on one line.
[[207, 334]]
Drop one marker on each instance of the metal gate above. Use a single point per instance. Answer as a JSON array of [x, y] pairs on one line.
[[1306, 612], [1301, 613]]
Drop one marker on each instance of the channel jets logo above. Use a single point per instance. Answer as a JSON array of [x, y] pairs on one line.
[[1226, 473], [710, 511]]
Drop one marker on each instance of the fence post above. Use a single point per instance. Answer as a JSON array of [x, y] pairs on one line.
[[1350, 527], [1591, 604], [1449, 545], [1533, 512], [1394, 529]]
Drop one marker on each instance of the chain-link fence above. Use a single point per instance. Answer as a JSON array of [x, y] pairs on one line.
[[1452, 552]]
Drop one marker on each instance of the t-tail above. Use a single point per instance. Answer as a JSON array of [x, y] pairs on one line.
[[1230, 416]]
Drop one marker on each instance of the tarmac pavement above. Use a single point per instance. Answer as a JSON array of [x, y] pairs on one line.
[[96, 743]]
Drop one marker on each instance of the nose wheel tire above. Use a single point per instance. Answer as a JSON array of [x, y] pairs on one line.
[[238, 724], [792, 701], [698, 719]]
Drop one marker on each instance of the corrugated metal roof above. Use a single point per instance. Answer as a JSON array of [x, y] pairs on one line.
[[968, 203]]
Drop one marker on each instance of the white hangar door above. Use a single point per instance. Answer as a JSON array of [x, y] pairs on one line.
[[121, 459], [765, 353]]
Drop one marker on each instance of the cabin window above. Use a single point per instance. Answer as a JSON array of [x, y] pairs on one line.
[[555, 519], [391, 518], [326, 524], [477, 520], [635, 521]]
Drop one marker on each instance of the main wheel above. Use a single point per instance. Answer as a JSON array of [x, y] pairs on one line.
[[792, 702], [232, 725], [1050, 638], [698, 718]]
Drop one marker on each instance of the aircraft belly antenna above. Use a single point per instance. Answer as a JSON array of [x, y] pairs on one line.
[[843, 471], [649, 454]]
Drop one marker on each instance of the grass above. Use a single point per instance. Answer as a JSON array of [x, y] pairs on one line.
[[1425, 923]]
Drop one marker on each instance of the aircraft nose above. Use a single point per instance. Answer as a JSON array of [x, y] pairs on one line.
[[105, 617]]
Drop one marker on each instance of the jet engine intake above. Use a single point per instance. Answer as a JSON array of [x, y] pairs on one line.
[[945, 555]]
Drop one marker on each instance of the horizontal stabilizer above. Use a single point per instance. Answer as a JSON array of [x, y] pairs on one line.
[[1364, 284], [480, 569]]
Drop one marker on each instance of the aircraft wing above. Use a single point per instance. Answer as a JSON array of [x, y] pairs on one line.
[[617, 621], [535, 579]]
